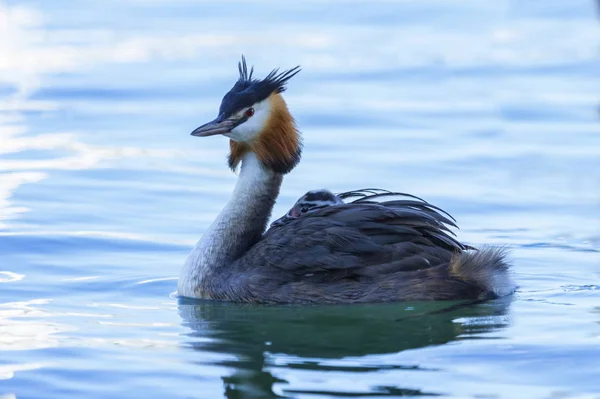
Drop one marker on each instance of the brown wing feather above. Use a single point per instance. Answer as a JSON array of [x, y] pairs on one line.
[[363, 251], [402, 235]]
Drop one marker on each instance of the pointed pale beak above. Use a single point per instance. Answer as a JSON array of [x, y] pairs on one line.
[[217, 126]]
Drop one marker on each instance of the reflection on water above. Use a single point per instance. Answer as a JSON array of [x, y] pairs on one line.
[[24, 325], [264, 339]]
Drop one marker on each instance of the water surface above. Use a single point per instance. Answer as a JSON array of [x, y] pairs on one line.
[[487, 109]]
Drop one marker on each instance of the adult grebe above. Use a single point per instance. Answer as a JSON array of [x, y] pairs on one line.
[[368, 250]]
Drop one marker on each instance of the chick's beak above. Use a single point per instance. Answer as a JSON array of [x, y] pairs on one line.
[[219, 125]]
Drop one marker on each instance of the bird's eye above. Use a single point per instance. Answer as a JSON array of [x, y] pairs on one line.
[[304, 209], [249, 112]]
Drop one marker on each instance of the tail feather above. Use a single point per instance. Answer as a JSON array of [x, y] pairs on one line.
[[488, 268]]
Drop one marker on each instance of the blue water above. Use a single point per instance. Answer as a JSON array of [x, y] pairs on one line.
[[488, 109]]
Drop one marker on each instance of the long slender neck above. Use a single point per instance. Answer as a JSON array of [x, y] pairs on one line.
[[237, 227]]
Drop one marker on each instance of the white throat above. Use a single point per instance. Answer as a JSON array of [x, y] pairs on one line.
[[237, 227]]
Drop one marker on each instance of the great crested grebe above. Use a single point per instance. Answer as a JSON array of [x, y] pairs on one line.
[[309, 202], [368, 250]]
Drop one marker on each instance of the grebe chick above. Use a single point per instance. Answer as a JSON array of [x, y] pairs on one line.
[[381, 247], [309, 202]]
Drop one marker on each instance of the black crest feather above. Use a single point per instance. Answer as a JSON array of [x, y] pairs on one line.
[[249, 90]]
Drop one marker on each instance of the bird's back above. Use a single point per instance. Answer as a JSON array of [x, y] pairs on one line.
[[367, 251]]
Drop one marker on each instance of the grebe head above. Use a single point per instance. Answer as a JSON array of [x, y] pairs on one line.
[[309, 202], [255, 117]]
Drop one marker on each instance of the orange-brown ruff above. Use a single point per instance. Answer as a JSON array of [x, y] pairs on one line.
[[279, 146], [377, 246]]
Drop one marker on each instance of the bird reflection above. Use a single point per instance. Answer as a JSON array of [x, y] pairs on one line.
[[305, 335]]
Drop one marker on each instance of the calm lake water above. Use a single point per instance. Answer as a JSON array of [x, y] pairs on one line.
[[488, 109]]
